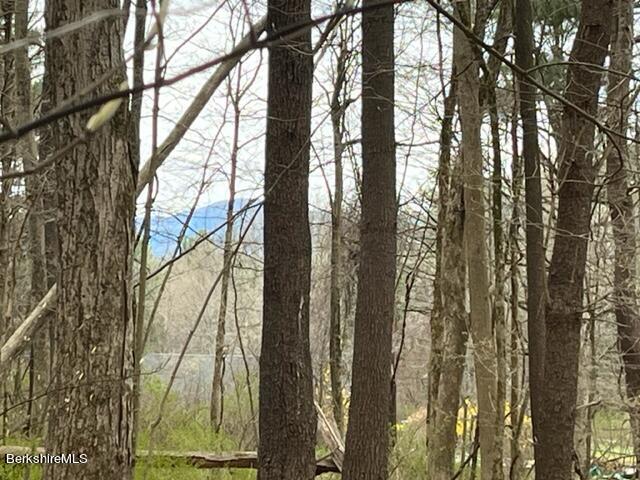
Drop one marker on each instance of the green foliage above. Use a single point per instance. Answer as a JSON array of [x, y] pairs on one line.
[[11, 472], [409, 458], [184, 427]]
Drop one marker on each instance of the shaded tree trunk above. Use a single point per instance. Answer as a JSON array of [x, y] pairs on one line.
[[516, 462], [90, 405], [287, 422], [534, 234], [367, 440], [622, 213], [563, 315], [498, 308]]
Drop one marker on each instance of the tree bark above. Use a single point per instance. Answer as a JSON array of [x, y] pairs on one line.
[[367, 440], [436, 321], [287, 415], [517, 175], [534, 234], [442, 444], [563, 314], [625, 297], [476, 248], [90, 406], [449, 313], [498, 308]]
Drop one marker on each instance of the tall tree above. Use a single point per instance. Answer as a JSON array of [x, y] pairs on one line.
[[287, 416], [339, 103], [367, 440], [533, 213], [576, 175], [449, 318], [90, 404], [622, 211], [475, 246]]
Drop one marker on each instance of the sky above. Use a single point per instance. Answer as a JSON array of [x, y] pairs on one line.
[[198, 31]]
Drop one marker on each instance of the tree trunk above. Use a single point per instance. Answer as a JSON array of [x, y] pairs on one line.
[[476, 248], [448, 319], [534, 233], [338, 106], [622, 212], [436, 321], [287, 415], [216, 409], [367, 441], [563, 314], [140, 20], [90, 404], [516, 462], [498, 310], [442, 444]]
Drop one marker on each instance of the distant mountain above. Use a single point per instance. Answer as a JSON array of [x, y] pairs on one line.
[[165, 229]]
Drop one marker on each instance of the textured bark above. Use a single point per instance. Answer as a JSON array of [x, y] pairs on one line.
[[448, 320], [566, 272], [367, 441], [498, 308], [436, 322], [533, 211], [287, 415], [442, 444], [622, 212], [476, 248], [90, 404]]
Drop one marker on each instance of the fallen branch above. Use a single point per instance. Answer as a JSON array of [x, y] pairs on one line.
[[203, 460], [332, 438], [22, 336]]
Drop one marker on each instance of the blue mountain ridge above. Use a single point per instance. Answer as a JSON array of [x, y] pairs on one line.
[[165, 228]]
